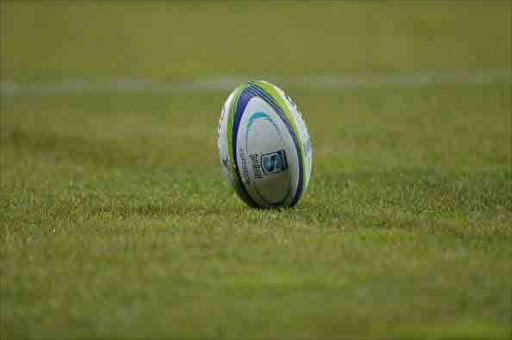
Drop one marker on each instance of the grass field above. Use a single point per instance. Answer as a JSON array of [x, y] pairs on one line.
[[116, 222]]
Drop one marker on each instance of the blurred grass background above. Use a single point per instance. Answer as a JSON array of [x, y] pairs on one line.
[[115, 221], [182, 39]]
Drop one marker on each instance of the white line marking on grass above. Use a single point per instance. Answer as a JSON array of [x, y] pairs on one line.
[[211, 84]]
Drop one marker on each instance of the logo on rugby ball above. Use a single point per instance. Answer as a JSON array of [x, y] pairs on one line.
[[274, 162]]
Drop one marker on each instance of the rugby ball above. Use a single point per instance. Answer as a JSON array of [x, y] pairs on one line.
[[264, 146]]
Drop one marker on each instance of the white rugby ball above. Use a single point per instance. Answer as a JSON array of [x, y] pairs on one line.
[[264, 146]]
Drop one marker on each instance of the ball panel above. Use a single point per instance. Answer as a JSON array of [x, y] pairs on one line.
[[303, 134], [222, 141], [277, 96], [271, 158], [231, 133]]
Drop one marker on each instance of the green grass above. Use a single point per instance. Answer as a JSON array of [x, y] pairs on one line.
[[116, 222], [186, 39]]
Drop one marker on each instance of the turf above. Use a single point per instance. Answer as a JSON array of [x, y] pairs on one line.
[[186, 39], [115, 221]]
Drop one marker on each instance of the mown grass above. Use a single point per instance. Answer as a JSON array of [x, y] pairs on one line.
[[115, 221], [52, 39], [111, 229]]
